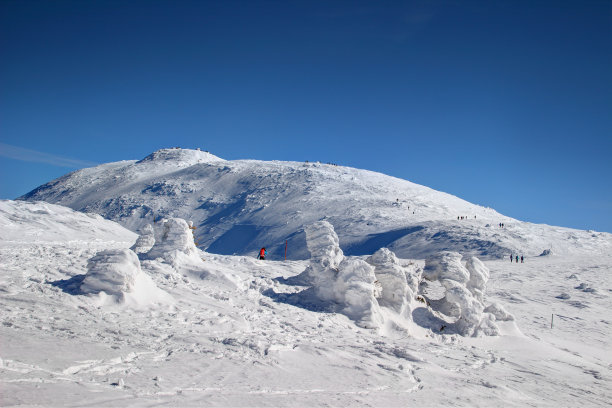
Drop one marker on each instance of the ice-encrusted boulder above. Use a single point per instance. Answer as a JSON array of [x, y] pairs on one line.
[[499, 312], [174, 242], [479, 275], [356, 291], [464, 292], [325, 258], [348, 282], [398, 284], [145, 240], [446, 266], [116, 274]]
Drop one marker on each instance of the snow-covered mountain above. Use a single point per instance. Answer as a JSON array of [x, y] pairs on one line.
[[241, 205]]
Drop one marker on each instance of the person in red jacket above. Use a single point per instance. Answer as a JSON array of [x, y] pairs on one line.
[[262, 253]]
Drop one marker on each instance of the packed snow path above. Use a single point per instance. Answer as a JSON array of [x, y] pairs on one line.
[[235, 336]]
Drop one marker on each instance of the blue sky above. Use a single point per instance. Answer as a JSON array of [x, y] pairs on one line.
[[506, 104]]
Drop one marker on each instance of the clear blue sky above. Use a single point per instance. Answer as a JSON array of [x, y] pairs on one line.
[[503, 103]]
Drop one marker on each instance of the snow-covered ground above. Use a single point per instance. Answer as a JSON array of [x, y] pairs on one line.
[[182, 327]]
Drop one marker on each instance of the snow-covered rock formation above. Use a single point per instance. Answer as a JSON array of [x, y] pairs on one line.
[[464, 288], [398, 284], [115, 275], [173, 243], [145, 240], [350, 283]]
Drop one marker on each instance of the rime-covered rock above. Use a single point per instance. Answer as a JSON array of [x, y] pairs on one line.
[[479, 275], [355, 289], [350, 283], [145, 240], [464, 292], [499, 312], [325, 260], [446, 265], [116, 275], [112, 271], [396, 292], [174, 242]]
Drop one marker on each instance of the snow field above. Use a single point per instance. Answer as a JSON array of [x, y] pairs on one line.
[[343, 328]]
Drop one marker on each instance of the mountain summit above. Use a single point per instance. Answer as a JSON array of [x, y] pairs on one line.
[[239, 206]]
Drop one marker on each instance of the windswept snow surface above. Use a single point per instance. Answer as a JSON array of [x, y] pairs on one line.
[[241, 205], [244, 332]]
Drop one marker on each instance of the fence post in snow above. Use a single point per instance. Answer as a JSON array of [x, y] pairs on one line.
[[552, 316]]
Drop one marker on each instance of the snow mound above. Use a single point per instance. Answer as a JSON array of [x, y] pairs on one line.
[[464, 293], [116, 276], [547, 252], [173, 242], [348, 282]]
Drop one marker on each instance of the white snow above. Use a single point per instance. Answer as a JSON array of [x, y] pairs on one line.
[[345, 323]]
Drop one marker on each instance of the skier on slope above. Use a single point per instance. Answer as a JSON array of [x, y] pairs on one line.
[[262, 253]]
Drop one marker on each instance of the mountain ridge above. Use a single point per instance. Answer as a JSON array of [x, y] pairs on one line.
[[238, 206]]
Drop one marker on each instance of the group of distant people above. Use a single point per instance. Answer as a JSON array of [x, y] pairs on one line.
[[516, 257], [463, 217], [501, 225]]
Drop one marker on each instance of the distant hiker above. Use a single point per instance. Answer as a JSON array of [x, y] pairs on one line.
[[521, 258], [510, 258], [517, 259], [457, 217], [262, 253]]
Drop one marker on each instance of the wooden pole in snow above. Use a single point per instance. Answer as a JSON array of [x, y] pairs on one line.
[[285, 250], [552, 316]]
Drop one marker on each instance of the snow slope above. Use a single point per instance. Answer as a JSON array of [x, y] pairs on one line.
[[239, 206], [40, 222], [243, 332]]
